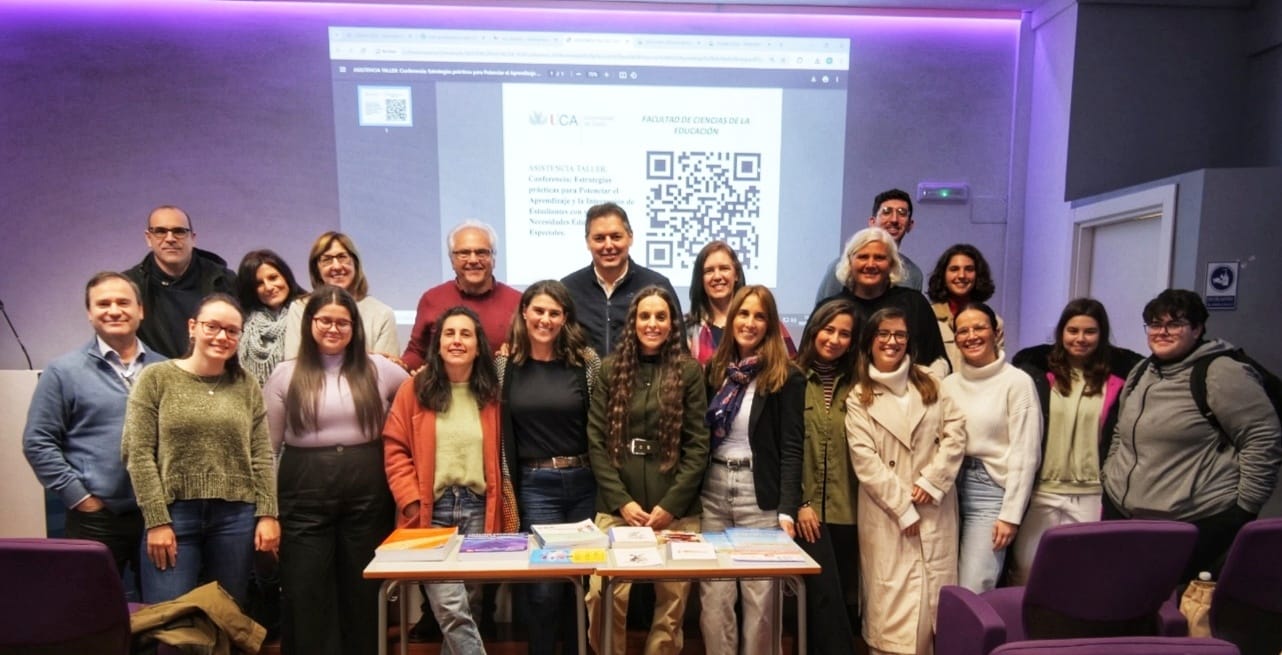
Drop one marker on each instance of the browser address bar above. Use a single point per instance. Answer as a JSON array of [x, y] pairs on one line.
[[506, 55]]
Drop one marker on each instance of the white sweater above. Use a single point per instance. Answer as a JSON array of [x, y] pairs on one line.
[[1003, 428]]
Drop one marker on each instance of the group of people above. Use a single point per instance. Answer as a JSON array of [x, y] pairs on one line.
[[894, 441]]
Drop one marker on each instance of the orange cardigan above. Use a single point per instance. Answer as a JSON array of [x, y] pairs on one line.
[[409, 455]]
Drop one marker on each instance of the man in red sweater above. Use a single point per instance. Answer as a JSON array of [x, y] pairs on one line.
[[472, 249]]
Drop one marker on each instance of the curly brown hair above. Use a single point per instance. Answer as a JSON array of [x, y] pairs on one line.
[[623, 381]]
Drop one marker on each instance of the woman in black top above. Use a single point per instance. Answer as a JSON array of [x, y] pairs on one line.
[[547, 379]]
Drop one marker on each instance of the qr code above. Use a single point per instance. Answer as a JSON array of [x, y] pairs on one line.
[[697, 197], [385, 106]]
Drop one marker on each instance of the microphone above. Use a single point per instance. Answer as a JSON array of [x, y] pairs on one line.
[[16, 337]]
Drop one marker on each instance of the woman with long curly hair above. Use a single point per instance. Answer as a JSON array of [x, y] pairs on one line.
[[1079, 378], [441, 451], [649, 447]]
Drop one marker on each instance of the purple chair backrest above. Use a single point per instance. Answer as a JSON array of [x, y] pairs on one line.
[[63, 595], [1246, 607], [1120, 646], [1105, 578]]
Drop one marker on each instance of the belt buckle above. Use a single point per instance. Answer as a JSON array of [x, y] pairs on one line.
[[641, 446], [740, 463], [559, 462]]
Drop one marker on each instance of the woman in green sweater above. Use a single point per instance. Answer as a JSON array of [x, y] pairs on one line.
[[195, 444], [649, 447]]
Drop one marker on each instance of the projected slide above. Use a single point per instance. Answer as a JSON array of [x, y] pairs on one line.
[[690, 165], [699, 137]]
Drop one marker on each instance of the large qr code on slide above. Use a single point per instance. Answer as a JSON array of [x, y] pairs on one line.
[[696, 197]]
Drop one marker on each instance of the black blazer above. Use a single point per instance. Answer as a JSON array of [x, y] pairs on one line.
[[776, 431]]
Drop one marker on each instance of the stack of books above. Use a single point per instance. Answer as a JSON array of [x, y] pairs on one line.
[[417, 545], [569, 543], [633, 546]]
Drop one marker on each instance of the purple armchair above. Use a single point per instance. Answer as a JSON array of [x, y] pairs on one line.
[[1102, 579], [1246, 607], [61, 596]]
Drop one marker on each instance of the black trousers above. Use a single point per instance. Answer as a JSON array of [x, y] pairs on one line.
[[120, 533], [1215, 534], [837, 552], [335, 509]]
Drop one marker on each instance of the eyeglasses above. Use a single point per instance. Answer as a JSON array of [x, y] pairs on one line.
[[889, 336], [340, 258], [211, 329], [164, 232], [1169, 327], [326, 323], [479, 253], [887, 211], [967, 331]]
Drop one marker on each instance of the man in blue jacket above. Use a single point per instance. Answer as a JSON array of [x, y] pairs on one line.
[[72, 438], [603, 290]]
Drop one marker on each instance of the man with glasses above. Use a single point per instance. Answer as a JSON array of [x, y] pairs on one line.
[[72, 437], [472, 247], [892, 211], [173, 278], [1167, 460]]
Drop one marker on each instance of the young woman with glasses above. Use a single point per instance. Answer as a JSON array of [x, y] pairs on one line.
[[906, 438], [325, 410], [196, 447]]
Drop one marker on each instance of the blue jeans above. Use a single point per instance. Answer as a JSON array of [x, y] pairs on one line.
[[215, 543], [449, 601], [553, 496], [981, 501]]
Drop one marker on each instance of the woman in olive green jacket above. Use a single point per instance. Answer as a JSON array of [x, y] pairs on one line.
[[649, 447], [826, 521]]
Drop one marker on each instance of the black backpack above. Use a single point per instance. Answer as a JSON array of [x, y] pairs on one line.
[[1197, 385]]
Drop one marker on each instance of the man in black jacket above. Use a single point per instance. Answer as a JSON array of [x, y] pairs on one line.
[[174, 277]]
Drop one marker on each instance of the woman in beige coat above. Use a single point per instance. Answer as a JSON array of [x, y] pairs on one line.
[[906, 445]]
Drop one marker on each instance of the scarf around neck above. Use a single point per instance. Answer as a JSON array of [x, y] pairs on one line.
[[724, 406]]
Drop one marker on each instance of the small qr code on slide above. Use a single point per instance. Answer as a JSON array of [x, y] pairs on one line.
[[700, 196]]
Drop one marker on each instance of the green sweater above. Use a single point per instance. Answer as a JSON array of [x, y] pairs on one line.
[[638, 476], [182, 442]]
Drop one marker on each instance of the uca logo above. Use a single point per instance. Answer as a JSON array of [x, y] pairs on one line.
[[553, 119]]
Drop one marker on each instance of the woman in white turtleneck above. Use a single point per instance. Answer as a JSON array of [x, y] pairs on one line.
[[906, 438], [1004, 429]]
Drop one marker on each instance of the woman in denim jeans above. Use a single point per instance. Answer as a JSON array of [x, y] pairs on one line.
[[1004, 436], [547, 381], [195, 444], [449, 414]]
